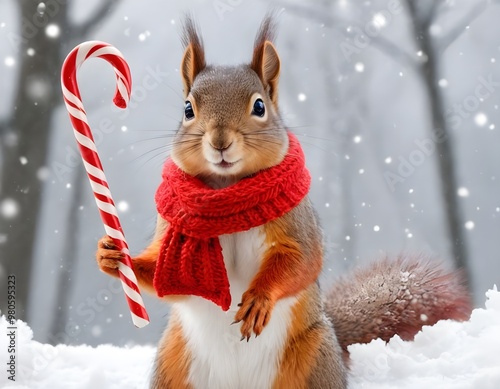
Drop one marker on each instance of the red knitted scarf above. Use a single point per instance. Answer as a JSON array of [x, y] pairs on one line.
[[190, 260]]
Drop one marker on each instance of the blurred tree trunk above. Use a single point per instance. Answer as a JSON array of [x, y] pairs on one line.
[[428, 69], [37, 96]]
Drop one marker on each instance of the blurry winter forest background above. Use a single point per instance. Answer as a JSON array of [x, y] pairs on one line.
[[396, 103]]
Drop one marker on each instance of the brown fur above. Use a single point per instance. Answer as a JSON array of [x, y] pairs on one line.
[[265, 61], [172, 360], [193, 61], [311, 358]]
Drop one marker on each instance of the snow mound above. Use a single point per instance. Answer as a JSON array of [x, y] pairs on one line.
[[42, 366], [448, 355]]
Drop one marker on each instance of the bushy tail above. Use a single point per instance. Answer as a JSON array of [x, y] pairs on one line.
[[393, 297]]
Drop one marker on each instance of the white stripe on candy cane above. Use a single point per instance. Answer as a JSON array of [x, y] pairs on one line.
[[106, 207], [82, 139], [100, 189], [71, 98], [113, 233], [91, 169], [80, 115]]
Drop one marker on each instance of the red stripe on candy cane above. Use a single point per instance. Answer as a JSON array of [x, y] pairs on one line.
[[92, 162]]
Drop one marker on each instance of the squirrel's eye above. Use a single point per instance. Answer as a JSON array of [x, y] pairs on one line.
[[259, 109], [188, 111]]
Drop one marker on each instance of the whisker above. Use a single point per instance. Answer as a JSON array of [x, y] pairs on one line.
[[317, 137]]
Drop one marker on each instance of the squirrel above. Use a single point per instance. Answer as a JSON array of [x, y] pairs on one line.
[[232, 131]]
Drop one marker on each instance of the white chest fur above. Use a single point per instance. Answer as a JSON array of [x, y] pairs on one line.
[[219, 359]]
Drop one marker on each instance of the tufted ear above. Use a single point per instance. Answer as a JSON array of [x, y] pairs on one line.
[[193, 60], [265, 60]]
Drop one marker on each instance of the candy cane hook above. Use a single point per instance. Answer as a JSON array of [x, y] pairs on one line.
[[91, 161]]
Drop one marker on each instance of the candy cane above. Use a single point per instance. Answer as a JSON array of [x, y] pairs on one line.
[[91, 161]]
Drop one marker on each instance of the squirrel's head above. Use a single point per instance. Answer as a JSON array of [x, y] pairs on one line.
[[231, 126]]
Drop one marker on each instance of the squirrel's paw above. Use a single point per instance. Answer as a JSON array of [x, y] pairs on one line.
[[255, 312], [108, 255]]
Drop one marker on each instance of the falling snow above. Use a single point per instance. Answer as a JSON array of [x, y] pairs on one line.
[[52, 30], [379, 20], [144, 35], [38, 88], [359, 67], [481, 119], [9, 61], [469, 225], [301, 97], [443, 82], [43, 173], [41, 8], [122, 206], [9, 208], [463, 192]]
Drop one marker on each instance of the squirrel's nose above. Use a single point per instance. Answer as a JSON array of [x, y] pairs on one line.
[[221, 147]]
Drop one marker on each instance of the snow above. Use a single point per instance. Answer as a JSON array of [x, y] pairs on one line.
[[52, 31], [9, 61], [9, 208], [469, 225], [379, 20], [448, 355], [42, 366], [481, 119], [301, 97], [359, 67], [443, 82], [463, 191], [122, 206]]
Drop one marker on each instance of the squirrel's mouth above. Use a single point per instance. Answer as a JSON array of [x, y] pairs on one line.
[[224, 164]]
